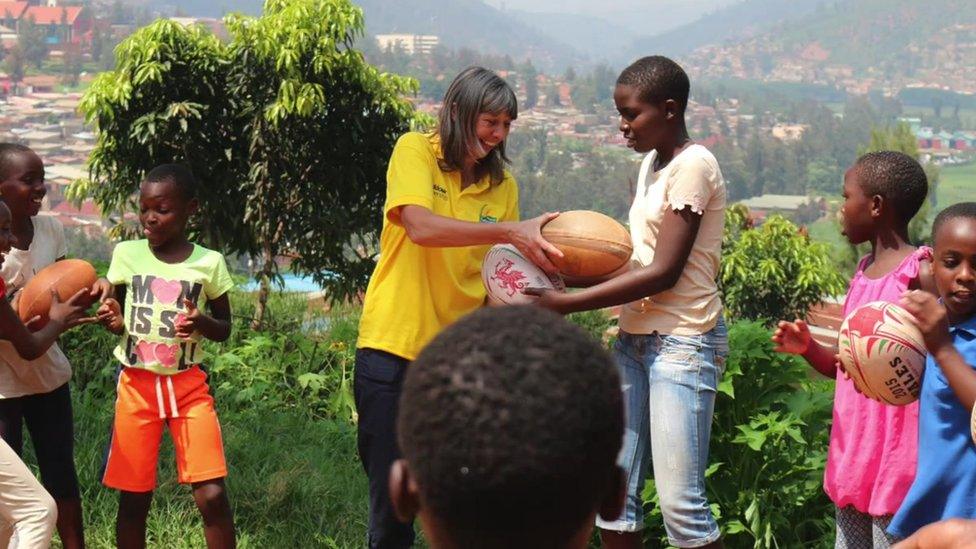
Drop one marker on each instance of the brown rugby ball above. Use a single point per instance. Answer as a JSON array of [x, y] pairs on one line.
[[592, 244], [66, 277]]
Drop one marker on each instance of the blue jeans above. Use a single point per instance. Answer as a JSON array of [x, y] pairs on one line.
[[669, 385]]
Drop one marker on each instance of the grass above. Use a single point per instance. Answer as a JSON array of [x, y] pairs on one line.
[[957, 184], [294, 477], [292, 482]]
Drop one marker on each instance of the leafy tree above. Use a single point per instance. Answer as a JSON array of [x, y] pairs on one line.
[[286, 126], [14, 64], [552, 179], [773, 271], [98, 43], [32, 41], [823, 176], [71, 67], [552, 95], [530, 79]]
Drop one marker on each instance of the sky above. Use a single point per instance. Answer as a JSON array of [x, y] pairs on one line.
[[644, 17]]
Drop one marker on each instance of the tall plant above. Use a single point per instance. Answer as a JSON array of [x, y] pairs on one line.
[[773, 271], [286, 125]]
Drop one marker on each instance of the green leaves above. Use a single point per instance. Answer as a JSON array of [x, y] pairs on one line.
[[773, 272], [286, 127]]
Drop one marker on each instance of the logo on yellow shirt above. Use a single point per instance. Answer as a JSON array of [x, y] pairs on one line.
[[440, 192], [483, 216]]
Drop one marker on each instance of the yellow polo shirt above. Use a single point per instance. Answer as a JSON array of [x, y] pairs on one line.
[[417, 291]]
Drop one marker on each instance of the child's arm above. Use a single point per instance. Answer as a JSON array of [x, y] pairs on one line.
[[926, 279], [586, 282], [215, 327], [947, 534], [62, 316], [678, 232], [931, 318], [794, 338]]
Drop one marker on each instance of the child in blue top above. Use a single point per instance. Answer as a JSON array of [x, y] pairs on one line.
[[945, 481]]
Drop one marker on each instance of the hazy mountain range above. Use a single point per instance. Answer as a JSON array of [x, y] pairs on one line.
[[560, 33]]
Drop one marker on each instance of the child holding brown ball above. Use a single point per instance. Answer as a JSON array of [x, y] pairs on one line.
[[35, 392], [673, 342]]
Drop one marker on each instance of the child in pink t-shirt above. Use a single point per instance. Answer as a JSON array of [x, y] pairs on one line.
[[873, 446]]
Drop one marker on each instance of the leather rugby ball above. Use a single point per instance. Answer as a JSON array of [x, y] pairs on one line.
[[66, 277], [592, 244]]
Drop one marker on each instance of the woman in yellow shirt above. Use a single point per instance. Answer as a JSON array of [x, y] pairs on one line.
[[448, 199]]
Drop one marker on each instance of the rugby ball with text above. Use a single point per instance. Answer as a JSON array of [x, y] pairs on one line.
[[883, 352]]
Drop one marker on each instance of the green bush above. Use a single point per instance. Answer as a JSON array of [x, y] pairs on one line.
[[768, 449], [773, 271], [302, 361], [285, 404]]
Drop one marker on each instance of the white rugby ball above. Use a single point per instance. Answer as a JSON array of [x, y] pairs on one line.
[[506, 274], [883, 352]]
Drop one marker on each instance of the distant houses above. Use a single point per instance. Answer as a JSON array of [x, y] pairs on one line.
[[931, 140], [63, 25]]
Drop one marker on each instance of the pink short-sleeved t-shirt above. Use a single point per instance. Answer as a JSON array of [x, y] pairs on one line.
[[873, 447]]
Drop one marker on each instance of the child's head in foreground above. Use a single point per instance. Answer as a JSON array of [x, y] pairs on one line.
[[954, 259], [510, 423], [882, 189]]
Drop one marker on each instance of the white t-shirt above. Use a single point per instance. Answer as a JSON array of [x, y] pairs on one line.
[[693, 306], [19, 377]]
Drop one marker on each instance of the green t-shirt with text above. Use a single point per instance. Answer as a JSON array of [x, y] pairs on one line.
[[154, 303]]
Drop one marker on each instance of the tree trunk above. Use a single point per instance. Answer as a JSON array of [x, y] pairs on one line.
[[264, 278]]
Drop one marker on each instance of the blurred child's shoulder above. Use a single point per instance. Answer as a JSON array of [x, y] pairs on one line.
[[47, 223], [203, 251], [129, 246]]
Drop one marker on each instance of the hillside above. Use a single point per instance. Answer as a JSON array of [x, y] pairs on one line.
[[856, 45], [597, 39], [737, 21], [471, 24]]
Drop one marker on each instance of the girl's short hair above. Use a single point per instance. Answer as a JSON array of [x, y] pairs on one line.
[[899, 178], [474, 91]]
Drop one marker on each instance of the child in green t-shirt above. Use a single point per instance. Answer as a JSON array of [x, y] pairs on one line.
[[161, 284]]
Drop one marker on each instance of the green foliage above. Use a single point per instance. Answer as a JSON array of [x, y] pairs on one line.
[[302, 363], [14, 63], [767, 452], [595, 89], [286, 126], [71, 68], [596, 323], [755, 162], [566, 174], [32, 42], [293, 482], [530, 84], [774, 271], [92, 247]]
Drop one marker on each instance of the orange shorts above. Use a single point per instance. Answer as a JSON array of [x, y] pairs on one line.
[[145, 403]]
